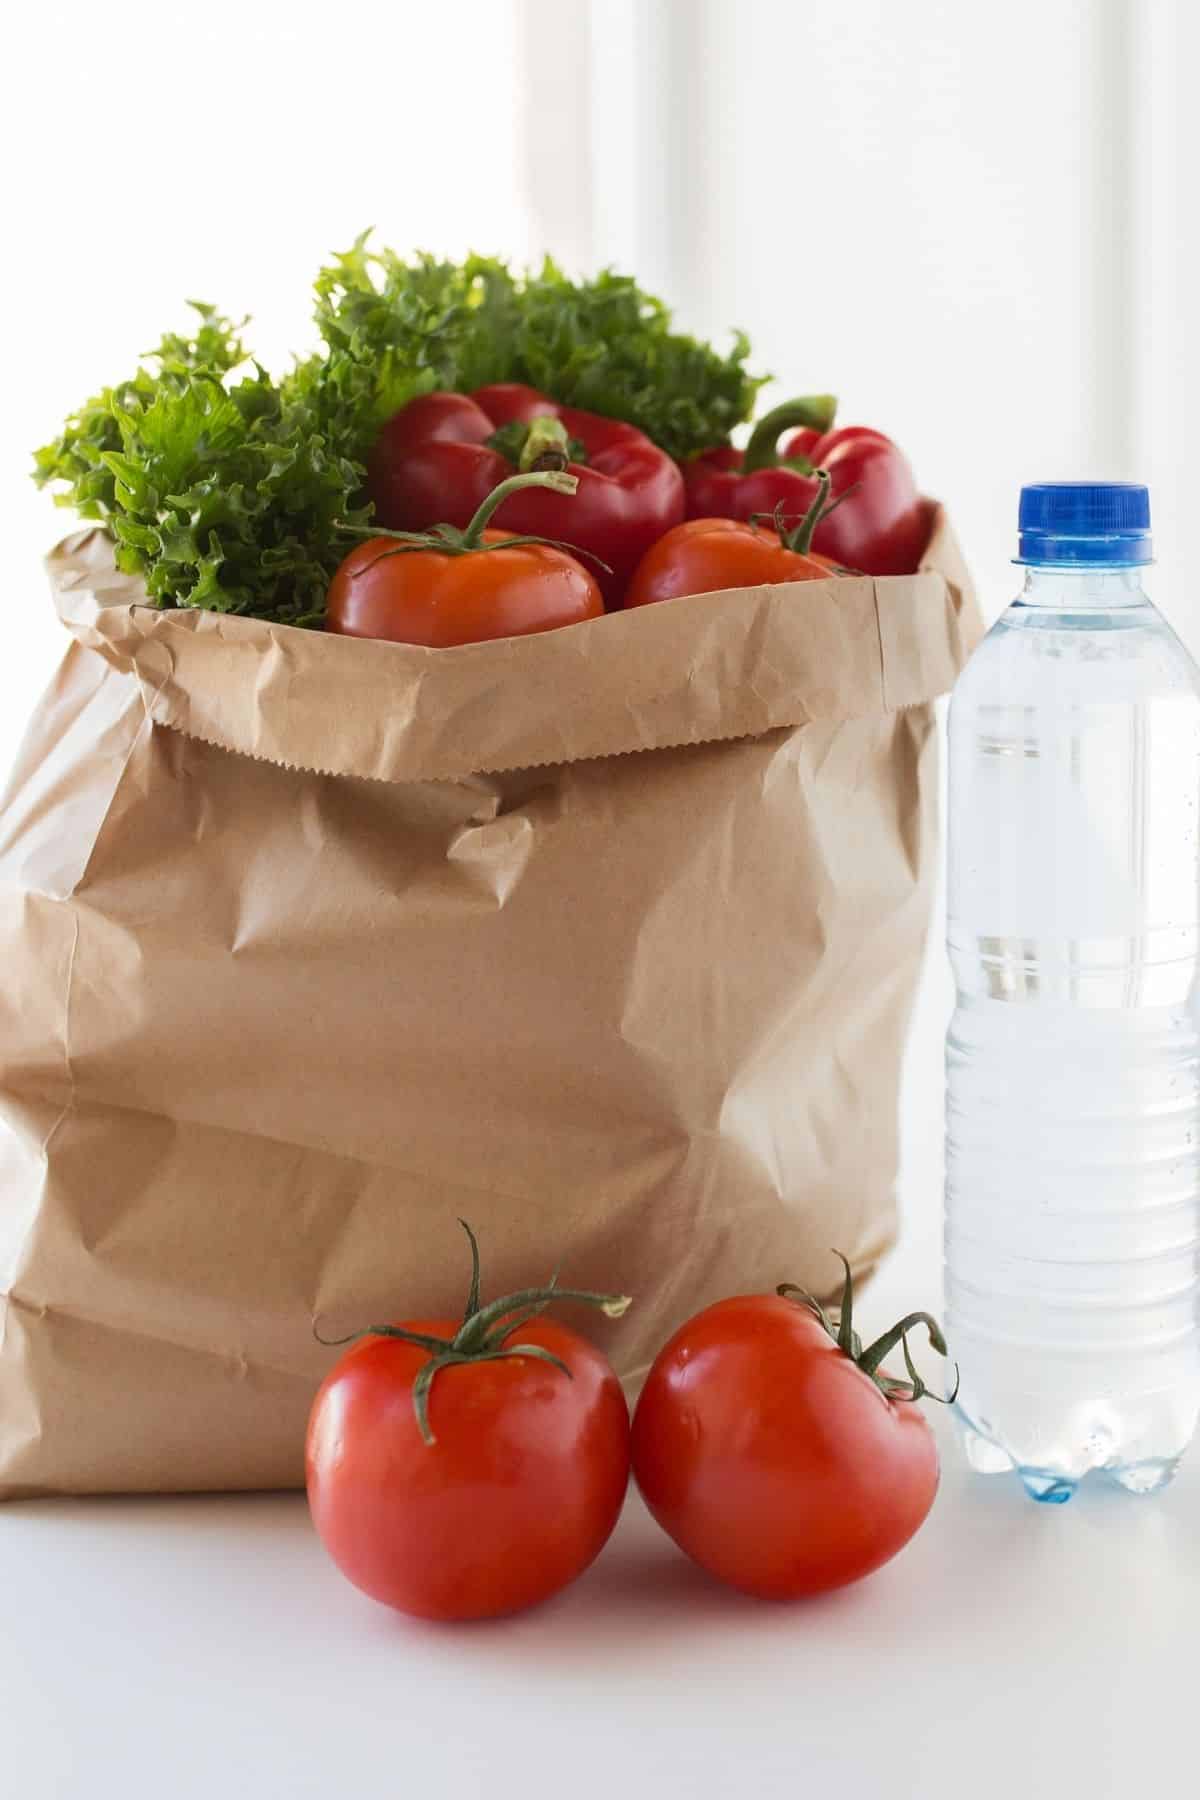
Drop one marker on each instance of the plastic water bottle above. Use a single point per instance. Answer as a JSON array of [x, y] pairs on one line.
[[1073, 1099]]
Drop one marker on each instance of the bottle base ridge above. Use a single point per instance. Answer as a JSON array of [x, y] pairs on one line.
[[1052, 1487]]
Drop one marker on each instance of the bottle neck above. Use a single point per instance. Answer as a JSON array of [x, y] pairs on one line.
[[1069, 589]]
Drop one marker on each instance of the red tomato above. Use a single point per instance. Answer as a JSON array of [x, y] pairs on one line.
[[431, 598], [706, 556], [772, 1459], [517, 1494]]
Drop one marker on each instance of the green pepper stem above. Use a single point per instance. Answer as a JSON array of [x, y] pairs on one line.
[[815, 412], [557, 480], [546, 447]]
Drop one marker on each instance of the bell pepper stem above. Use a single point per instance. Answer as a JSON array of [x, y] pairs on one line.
[[557, 480], [546, 447], [814, 412]]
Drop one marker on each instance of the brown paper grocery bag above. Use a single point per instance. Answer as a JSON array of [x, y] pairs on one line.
[[603, 940]]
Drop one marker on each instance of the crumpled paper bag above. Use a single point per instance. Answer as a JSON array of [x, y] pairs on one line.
[[603, 940]]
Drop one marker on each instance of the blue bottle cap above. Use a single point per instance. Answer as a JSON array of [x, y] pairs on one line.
[[1085, 523]]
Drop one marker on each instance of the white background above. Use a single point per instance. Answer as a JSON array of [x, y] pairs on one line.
[[972, 223]]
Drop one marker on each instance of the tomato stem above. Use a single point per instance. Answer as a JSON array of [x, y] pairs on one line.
[[557, 480], [473, 1295], [799, 538], [423, 1340], [485, 1331], [815, 412], [870, 1359], [493, 1319], [451, 540]]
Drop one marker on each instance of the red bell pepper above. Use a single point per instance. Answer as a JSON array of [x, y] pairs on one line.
[[879, 523], [439, 457]]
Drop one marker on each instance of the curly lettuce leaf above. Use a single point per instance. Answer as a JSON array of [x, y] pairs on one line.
[[221, 496]]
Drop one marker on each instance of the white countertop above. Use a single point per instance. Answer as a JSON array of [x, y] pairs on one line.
[[171, 1649]]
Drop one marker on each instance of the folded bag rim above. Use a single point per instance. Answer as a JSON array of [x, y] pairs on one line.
[[716, 666]]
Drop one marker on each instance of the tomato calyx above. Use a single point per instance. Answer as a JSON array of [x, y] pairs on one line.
[[799, 538], [468, 540], [484, 1333], [870, 1358], [536, 444], [814, 412]]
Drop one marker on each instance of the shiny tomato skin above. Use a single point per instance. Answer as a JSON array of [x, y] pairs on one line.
[[517, 1496], [426, 597], [706, 556], [771, 1459]]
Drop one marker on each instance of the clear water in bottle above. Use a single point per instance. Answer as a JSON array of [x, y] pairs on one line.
[[1073, 1061]]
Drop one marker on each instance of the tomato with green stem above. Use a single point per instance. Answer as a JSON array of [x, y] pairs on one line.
[[466, 1468], [449, 586], [707, 556], [775, 1450]]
